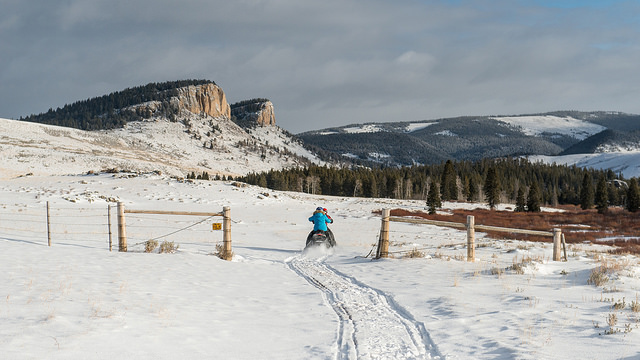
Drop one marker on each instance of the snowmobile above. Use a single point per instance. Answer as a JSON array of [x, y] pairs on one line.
[[320, 239]]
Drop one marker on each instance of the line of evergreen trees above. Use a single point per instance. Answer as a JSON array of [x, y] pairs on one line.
[[494, 181], [106, 112]]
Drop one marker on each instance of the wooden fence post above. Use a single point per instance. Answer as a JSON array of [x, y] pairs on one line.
[[109, 226], [564, 248], [471, 238], [122, 229], [48, 225], [383, 242], [557, 238], [227, 253]]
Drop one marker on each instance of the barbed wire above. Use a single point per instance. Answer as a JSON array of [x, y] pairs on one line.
[[177, 231]]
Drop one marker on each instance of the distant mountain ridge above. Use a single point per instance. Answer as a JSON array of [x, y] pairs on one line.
[[474, 138], [606, 141], [201, 107], [179, 128]]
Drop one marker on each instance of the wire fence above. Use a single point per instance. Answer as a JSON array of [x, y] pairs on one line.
[[95, 226], [408, 238]]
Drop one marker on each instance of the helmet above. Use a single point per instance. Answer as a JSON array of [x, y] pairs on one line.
[[324, 209], [319, 208]]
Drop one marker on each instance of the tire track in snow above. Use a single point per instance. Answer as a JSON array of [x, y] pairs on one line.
[[371, 324]]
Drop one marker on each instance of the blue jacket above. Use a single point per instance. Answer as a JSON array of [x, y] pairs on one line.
[[320, 221]]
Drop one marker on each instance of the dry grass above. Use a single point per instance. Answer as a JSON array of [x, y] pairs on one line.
[[496, 271], [577, 225], [168, 247], [415, 253], [220, 251], [150, 245], [598, 276], [635, 305], [619, 305]]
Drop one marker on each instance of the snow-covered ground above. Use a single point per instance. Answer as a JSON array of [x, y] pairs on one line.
[[626, 163], [536, 125], [161, 145], [359, 129], [77, 300]]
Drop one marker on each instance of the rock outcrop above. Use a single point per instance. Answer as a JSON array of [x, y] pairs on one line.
[[252, 112], [207, 99]]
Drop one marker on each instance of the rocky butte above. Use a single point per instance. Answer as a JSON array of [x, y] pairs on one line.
[[255, 111], [206, 99]]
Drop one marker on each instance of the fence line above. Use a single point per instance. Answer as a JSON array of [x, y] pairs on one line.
[[226, 253], [81, 225], [383, 241]]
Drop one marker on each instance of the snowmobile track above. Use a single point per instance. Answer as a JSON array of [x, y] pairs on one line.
[[371, 324]]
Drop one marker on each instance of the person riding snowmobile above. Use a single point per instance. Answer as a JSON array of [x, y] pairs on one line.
[[320, 219]]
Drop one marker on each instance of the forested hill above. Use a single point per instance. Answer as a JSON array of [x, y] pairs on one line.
[[454, 180], [113, 110], [468, 138]]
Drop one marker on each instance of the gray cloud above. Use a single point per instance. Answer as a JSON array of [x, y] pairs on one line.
[[327, 63]]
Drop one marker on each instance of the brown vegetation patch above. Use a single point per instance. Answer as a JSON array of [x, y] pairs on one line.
[[577, 225]]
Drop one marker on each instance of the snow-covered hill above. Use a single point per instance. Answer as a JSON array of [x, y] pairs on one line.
[[626, 163], [194, 144], [549, 124]]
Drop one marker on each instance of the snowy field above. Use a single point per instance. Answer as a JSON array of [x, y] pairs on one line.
[[537, 125], [77, 300]]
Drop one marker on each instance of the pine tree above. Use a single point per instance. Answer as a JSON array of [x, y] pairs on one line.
[[433, 198], [533, 199], [521, 203], [586, 192], [449, 189], [492, 188], [633, 196], [602, 196], [473, 190]]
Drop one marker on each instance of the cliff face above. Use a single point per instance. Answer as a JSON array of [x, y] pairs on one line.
[[207, 98], [255, 112]]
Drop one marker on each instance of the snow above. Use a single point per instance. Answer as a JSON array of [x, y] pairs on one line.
[[418, 126], [77, 300], [350, 155], [446, 133], [145, 146], [369, 128], [625, 162], [536, 125], [378, 156]]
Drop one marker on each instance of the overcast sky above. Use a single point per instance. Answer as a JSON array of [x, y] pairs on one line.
[[330, 62]]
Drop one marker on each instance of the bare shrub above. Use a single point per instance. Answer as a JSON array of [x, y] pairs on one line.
[[635, 305], [598, 276], [168, 247], [496, 271], [518, 268], [220, 251], [415, 253], [619, 305], [150, 245]]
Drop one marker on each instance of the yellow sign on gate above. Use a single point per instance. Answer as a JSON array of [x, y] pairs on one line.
[[217, 226]]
